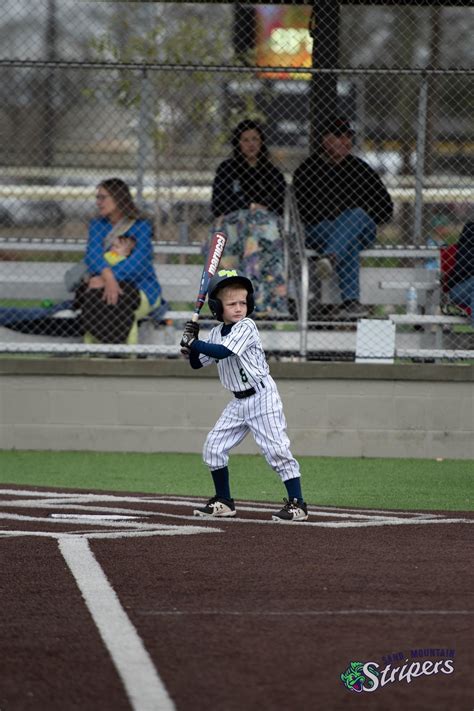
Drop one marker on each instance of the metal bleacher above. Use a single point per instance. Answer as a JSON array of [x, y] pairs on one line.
[[301, 336]]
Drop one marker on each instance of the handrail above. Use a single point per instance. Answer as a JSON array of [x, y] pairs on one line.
[[202, 193], [60, 244], [298, 263]]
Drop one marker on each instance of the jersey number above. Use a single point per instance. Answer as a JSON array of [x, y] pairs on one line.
[[243, 375]]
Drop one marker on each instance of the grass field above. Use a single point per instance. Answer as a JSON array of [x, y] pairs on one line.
[[410, 484]]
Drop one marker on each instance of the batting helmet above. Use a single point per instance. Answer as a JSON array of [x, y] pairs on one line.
[[227, 277]]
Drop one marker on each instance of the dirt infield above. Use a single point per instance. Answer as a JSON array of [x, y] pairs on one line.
[[117, 601]]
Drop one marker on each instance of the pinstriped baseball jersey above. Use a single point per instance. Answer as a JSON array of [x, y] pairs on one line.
[[248, 366]]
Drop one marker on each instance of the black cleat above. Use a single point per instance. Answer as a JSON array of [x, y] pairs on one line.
[[292, 511], [217, 508]]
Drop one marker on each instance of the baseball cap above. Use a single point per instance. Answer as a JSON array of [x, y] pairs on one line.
[[337, 125]]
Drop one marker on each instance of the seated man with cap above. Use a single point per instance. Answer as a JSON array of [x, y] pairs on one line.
[[341, 200]]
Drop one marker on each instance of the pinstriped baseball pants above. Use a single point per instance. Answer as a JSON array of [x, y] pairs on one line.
[[262, 415]]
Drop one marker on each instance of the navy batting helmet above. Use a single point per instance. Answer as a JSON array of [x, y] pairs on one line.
[[227, 277]]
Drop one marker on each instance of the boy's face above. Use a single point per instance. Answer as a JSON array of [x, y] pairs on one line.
[[234, 303]]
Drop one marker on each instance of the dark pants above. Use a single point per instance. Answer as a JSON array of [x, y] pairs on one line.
[[108, 323]]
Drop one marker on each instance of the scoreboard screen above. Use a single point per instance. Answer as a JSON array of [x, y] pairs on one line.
[[283, 39]]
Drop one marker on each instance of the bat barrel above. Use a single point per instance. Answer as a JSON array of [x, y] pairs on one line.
[[216, 249]]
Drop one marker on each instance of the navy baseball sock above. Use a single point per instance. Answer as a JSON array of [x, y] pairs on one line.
[[293, 487], [221, 482]]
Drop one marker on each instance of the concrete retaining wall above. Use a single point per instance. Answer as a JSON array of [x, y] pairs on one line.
[[333, 409]]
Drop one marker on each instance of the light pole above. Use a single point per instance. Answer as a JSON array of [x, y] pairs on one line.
[[324, 29], [49, 112]]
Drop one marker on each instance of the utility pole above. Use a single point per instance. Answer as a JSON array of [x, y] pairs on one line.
[[324, 29], [49, 112]]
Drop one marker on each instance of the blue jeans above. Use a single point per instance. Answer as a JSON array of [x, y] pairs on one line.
[[463, 294], [344, 237]]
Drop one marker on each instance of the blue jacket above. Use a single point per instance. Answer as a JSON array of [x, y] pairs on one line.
[[138, 268]]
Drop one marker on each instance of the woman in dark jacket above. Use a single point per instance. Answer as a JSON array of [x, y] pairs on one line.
[[248, 197]]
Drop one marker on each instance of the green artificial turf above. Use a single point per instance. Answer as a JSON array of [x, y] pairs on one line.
[[412, 484]]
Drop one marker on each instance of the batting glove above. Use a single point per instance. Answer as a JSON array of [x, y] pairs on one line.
[[190, 334]]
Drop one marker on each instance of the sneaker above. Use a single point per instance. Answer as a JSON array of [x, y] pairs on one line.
[[352, 309], [324, 268], [292, 511], [217, 508]]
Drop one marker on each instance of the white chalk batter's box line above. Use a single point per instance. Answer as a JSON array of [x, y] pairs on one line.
[[102, 511]]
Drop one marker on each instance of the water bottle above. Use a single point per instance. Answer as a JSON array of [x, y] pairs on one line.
[[412, 300]]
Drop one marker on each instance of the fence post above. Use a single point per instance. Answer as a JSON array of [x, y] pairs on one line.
[[324, 29], [420, 159], [144, 122]]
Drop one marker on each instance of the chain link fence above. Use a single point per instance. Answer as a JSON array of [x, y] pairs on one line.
[[334, 143]]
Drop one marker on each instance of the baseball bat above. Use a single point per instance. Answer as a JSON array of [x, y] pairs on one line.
[[214, 255]]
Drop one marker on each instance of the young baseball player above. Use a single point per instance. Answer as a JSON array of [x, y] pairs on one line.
[[236, 347]]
